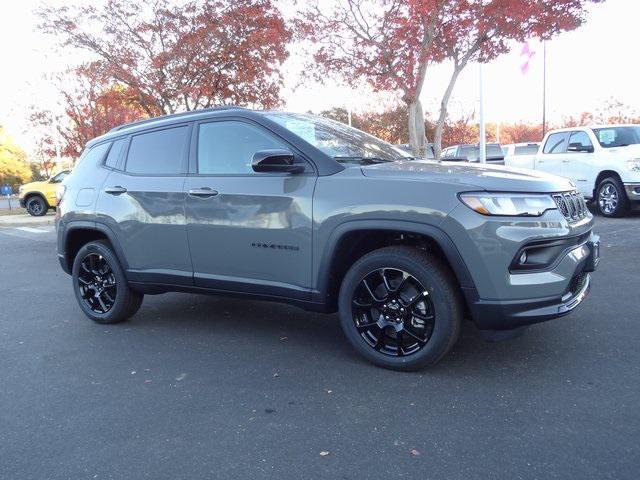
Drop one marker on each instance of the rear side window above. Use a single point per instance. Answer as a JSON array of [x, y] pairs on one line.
[[556, 143], [158, 153], [227, 148], [95, 154], [114, 153], [468, 152], [494, 151]]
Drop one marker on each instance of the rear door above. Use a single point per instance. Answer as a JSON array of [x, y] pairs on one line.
[[553, 156], [247, 231], [142, 201]]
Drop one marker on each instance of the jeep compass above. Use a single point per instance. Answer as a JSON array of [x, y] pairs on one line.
[[300, 209]]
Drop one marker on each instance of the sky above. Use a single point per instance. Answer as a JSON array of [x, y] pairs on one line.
[[585, 67]]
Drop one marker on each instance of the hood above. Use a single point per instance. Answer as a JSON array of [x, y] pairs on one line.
[[35, 185], [628, 152], [471, 176]]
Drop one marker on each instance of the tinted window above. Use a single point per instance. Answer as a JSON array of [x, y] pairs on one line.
[[114, 153], [468, 152], [159, 152], [95, 154], [617, 136], [494, 151], [526, 150], [556, 143], [228, 147], [581, 138]]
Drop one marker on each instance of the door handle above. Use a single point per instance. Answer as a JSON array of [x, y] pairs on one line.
[[117, 190], [204, 192], [565, 161]]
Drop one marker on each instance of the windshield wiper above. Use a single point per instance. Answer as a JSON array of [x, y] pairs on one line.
[[361, 160]]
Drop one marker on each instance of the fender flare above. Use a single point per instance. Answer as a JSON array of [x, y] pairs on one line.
[[96, 226], [446, 244]]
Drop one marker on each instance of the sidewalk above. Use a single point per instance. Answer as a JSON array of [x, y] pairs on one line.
[[25, 220]]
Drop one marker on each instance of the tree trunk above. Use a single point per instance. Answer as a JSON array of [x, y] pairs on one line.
[[442, 118], [417, 136]]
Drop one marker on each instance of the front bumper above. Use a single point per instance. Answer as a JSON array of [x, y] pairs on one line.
[[633, 194], [513, 314], [23, 203]]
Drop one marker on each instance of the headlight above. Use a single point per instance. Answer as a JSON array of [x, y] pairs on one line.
[[633, 165], [20, 189], [508, 204]]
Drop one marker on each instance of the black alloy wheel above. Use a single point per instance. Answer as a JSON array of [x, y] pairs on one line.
[[101, 286], [392, 312], [36, 206], [97, 283], [400, 307]]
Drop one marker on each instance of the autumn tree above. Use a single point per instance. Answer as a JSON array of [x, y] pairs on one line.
[[14, 169], [481, 30], [390, 43], [171, 55], [387, 43]]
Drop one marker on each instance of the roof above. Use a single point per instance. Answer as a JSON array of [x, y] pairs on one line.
[[611, 125]]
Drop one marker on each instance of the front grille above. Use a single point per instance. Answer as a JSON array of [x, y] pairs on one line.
[[571, 205]]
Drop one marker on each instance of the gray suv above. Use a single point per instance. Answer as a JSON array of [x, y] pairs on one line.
[[301, 209]]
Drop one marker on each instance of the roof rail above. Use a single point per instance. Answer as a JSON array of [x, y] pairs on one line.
[[174, 115]]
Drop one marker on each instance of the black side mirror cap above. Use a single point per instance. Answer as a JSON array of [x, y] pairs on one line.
[[578, 147], [275, 161]]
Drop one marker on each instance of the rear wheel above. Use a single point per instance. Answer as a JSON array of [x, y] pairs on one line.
[[100, 285], [400, 308], [612, 198], [36, 206]]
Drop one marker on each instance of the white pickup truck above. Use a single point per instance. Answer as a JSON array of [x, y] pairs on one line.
[[603, 162]]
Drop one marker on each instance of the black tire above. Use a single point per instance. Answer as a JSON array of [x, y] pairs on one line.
[[611, 198], [441, 291], [36, 206], [123, 302]]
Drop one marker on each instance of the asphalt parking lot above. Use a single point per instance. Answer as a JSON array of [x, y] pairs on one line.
[[209, 387]]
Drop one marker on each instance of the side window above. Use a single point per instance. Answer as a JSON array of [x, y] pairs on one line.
[[449, 152], [468, 152], [227, 147], [556, 143], [581, 138], [96, 154], [161, 152], [114, 153]]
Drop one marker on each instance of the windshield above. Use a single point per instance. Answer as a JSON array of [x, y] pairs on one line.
[[610, 137], [343, 143]]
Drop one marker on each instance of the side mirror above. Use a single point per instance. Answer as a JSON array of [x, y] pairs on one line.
[[578, 147], [277, 161]]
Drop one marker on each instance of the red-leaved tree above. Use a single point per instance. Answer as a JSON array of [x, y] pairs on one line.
[[171, 55], [390, 43]]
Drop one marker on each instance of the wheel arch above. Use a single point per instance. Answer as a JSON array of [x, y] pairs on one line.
[[601, 176], [78, 233], [351, 240], [36, 193]]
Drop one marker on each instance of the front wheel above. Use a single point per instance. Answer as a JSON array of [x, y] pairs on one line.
[[400, 308], [36, 206], [100, 285], [612, 199]]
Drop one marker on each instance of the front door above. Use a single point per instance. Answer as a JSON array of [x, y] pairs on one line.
[[553, 157], [247, 231], [579, 164]]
